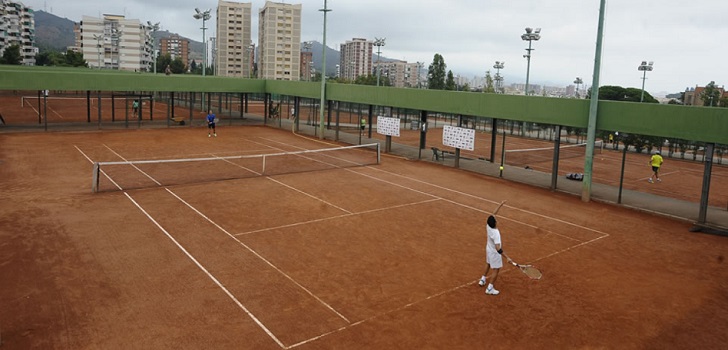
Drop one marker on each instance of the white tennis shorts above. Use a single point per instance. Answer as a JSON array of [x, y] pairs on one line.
[[494, 259]]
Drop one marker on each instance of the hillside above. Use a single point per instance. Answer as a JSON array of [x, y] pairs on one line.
[[52, 32]]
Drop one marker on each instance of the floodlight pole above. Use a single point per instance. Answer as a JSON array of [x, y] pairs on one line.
[[322, 106], [644, 67], [530, 36], [204, 16], [379, 42], [578, 82], [154, 28], [498, 78], [586, 188], [98, 38]]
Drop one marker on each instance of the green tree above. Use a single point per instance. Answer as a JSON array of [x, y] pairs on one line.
[[618, 93], [450, 82], [465, 87], [711, 95], [436, 73], [193, 66], [177, 66], [489, 87], [75, 59], [371, 79], [11, 55], [163, 61]]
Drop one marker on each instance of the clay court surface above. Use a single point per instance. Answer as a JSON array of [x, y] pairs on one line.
[[372, 257]]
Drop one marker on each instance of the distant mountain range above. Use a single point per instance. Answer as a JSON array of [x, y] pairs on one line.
[[56, 33]]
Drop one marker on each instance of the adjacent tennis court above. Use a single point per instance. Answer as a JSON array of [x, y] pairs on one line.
[[330, 248]]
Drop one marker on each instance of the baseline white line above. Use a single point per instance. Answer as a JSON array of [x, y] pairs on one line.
[[135, 167], [661, 175], [215, 280], [259, 256]]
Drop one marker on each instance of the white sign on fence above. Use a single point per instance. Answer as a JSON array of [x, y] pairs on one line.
[[388, 126], [456, 137]]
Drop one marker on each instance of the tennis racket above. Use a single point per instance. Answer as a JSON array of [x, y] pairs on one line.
[[498, 208], [530, 271], [216, 121]]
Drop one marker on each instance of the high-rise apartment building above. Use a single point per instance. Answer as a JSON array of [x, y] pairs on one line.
[[279, 40], [355, 58], [176, 47], [307, 66], [17, 27], [396, 71], [413, 75], [234, 54], [114, 42]]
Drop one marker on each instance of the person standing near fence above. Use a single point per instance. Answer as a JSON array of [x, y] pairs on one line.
[[135, 109], [211, 123], [363, 124], [656, 163]]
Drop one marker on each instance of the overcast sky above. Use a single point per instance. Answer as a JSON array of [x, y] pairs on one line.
[[683, 38]]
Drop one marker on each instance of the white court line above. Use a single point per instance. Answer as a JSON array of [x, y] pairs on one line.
[[446, 291], [310, 195], [215, 280], [56, 113], [458, 193], [661, 175], [239, 242], [600, 233], [336, 217], [259, 256], [135, 167], [102, 171], [199, 265]]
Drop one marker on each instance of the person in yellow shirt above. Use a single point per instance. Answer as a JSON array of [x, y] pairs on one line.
[[655, 162]]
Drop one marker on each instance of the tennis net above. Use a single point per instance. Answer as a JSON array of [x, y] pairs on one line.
[[545, 155], [136, 174], [60, 102]]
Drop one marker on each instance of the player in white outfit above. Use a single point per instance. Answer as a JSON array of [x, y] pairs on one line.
[[493, 258]]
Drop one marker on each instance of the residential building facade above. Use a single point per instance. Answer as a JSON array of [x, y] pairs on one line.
[[307, 71], [355, 58], [17, 27], [396, 71], [234, 52], [694, 96], [176, 47], [279, 41], [114, 42]]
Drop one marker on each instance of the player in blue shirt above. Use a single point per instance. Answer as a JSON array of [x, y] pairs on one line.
[[211, 124]]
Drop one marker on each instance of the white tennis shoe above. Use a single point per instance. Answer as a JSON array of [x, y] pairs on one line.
[[482, 281], [491, 291]]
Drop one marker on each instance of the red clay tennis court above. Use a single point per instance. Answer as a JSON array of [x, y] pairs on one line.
[[362, 256]]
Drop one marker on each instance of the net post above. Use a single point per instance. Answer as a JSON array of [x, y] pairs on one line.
[[262, 172], [95, 182], [379, 154]]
